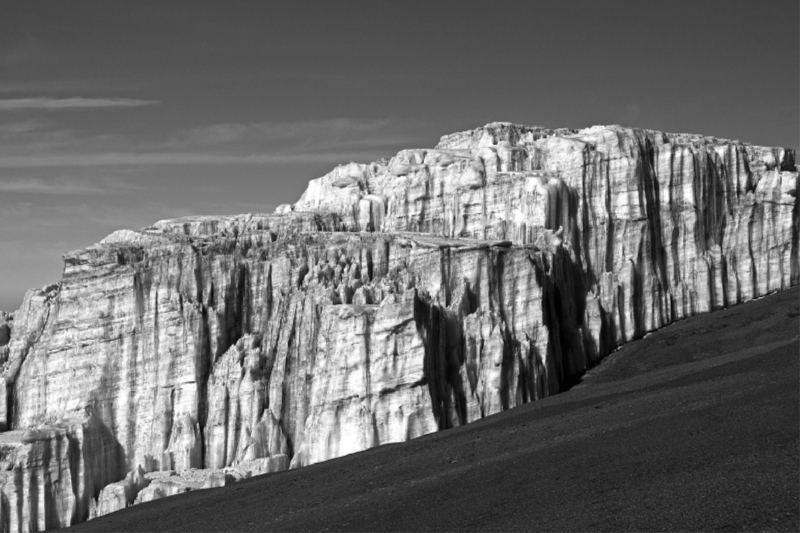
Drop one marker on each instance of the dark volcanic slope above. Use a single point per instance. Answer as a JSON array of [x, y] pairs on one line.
[[692, 428]]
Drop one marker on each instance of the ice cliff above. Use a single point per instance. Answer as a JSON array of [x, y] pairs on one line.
[[392, 300]]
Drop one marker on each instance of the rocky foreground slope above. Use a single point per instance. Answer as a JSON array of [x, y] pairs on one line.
[[393, 300]]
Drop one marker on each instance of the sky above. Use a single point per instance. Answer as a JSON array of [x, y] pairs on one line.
[[119, 114]]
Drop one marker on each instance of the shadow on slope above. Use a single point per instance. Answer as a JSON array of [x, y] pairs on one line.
[[693, 428]]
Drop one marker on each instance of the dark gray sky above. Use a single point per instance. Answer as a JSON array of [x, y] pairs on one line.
[[117, 114]]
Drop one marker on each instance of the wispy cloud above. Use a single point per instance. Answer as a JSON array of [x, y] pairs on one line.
[[297, 140], [37, 144], [175, 158], [327, 129], [16, 128], [329, 141], [13, 104], [63, 185]]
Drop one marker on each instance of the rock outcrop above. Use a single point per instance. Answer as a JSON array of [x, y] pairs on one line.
[[392, 300]]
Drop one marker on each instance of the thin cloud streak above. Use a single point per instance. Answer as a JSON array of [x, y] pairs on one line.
[[62, 186], [328, 130], [177, 158], [285, 143], [17, 128], [13, 104]]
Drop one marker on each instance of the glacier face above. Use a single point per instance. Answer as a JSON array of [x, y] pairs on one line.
[[393, 299]]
